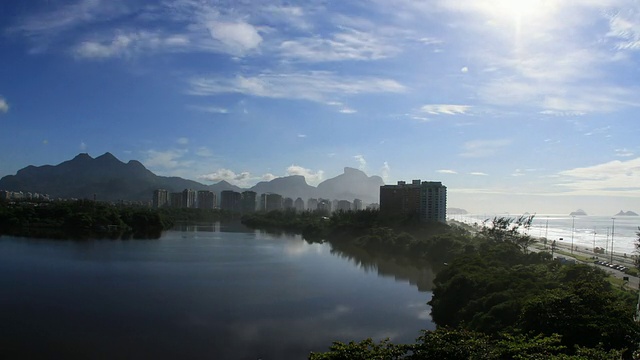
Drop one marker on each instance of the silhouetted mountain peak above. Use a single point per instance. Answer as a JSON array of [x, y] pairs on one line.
[[82, 157], [135, 163], [353, 171], [107, 157], [291, 180], [353, 183]]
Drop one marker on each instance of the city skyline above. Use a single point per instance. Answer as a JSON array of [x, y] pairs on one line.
[[515, 106]]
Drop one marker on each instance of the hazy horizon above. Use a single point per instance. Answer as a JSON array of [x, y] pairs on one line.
[[515, 106]]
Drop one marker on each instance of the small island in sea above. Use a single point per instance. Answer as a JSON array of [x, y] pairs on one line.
[[626, 213], [578, 212], [457, 211]]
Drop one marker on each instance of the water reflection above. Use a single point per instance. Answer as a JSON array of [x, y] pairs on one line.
[[201, 292], [417, 273], [228, 227]]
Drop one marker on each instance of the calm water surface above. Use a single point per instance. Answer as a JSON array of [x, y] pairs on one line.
[[203, 292]]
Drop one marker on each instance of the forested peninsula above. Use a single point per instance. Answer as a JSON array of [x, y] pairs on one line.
[[84, 219], [493, 298]]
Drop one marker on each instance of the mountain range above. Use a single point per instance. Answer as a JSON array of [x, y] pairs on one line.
[[110, 179]]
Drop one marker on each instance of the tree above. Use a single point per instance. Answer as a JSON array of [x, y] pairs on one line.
[[637, 245], [457, 344], [364, 350]]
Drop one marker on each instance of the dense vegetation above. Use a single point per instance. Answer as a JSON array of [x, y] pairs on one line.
[[368, 230], [494, 299], [92, 219], [80, 219]]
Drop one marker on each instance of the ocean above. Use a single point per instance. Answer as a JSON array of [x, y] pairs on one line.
[[608, 232]]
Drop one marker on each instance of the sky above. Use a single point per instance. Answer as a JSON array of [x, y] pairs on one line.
[[515, 106]]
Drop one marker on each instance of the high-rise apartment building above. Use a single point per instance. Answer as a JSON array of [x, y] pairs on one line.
[[230, 201], [248, 200], [160, 198], [343, 205], [312, 204], [427, 200], [175, 200], [287, 203], [206, 199], [357, 204], [299, 205], [272, 201], [324, 205], [188, 198]]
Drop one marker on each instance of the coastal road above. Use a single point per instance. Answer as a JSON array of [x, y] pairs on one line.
[[634, 281]]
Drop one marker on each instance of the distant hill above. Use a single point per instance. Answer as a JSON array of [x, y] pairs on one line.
[[352, 184], [110, 179], [578, 212], [289, 186], [105, 176], [626, 213]]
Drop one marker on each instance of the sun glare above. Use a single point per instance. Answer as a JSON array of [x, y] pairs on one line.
[[519, 10], [524, 7]]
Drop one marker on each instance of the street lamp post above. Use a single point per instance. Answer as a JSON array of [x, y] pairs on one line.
[[573, 223], [613, 230]]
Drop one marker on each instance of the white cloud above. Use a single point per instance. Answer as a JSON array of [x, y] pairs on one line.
[[385, 172], [239, 179], [445, 109], [446, 171], [607, 179], [166, 160], [237, 38], [343, 108], [313, 178], [183, 141], [4, 106], [83, 146], [562, 113], [302, 136], [285, 14], [483, 148], [204, 151], [124, 44], [313, 86], [624, 152], [348, 45], [268, 177], [518, 173], [210, 109], [47, 26], [362, 163], [419, 118], [624, 28], [477, 173], [464, 70], [430, 41]]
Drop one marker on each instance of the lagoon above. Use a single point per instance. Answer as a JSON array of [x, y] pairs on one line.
[[205, 291]]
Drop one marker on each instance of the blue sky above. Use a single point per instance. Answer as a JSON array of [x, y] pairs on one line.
[[514, 105]]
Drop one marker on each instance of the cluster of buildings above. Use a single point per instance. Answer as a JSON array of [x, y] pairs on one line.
[[424, 200], [19, 195], [247, 201]]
